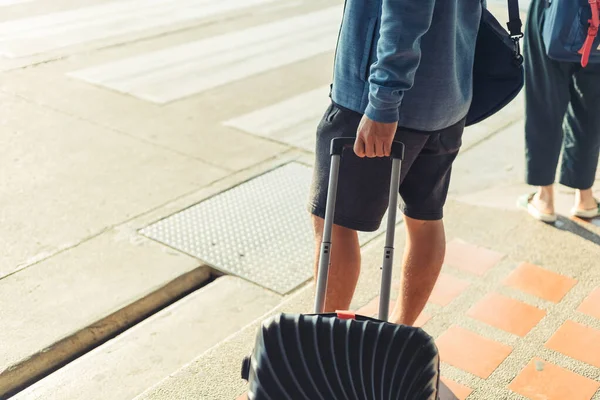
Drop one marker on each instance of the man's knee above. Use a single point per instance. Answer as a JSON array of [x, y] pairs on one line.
[[425, 232], [413, 223], [338, 230]]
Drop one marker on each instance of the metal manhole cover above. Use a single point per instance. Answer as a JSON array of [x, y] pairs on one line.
[[260, 230]]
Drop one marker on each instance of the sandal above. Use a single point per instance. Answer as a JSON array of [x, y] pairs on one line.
[[587, 214], [525, 203]]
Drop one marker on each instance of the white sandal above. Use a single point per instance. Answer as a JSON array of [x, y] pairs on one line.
[[587, 214], [525, 202]]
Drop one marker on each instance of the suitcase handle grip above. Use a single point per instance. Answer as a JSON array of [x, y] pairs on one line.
[[340, 143]]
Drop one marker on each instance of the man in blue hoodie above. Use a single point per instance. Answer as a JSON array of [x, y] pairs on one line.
[[402, 71]]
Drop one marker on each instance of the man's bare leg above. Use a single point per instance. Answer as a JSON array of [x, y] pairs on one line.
[[344, 266], [421, 266]]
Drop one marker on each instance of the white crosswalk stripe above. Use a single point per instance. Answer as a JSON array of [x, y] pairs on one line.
[[40, 34], [13, 2], [181, 71], [291, 121]]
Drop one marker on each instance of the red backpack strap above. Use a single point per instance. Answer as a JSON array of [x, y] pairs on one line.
[[586, 50]]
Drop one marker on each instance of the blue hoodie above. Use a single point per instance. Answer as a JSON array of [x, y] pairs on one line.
[[407, 61]]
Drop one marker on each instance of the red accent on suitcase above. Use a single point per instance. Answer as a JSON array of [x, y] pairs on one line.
[[345, 314]]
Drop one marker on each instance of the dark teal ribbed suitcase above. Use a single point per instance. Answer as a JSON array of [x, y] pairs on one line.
[[343, 356]]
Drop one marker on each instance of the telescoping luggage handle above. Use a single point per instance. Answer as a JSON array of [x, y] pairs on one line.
[[397, 154]]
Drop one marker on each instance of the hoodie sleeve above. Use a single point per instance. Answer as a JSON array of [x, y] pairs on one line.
[[403, 23]]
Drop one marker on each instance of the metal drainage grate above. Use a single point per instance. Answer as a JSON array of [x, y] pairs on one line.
[[259, 230]]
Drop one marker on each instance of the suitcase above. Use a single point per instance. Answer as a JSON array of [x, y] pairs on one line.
[[341, 355]]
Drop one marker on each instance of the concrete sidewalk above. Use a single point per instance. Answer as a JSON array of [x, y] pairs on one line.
[[115, 115]]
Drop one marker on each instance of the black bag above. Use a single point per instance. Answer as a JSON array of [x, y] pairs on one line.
[[342, 355], [498, 74]]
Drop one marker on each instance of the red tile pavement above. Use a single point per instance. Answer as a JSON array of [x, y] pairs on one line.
[[545, 381], [577, 341], [540, 282], [481, 356], [459, 390], [446, 289], [591, 305], [243, 397], [422, 319], [471, 258], [507, 314], [470, 352]]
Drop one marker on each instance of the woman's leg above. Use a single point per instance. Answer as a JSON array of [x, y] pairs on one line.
[[582, 137], [546, 100]]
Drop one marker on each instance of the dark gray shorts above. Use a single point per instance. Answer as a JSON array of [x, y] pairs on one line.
[[363, 187]]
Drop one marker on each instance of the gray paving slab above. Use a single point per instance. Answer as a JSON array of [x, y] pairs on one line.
[[130, 363], [476, 134], [208, 191], [506, 196], [58, 298], [65, 179], [498, 160]]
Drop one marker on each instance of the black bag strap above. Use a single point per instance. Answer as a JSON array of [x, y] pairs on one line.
[[514, 20]]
